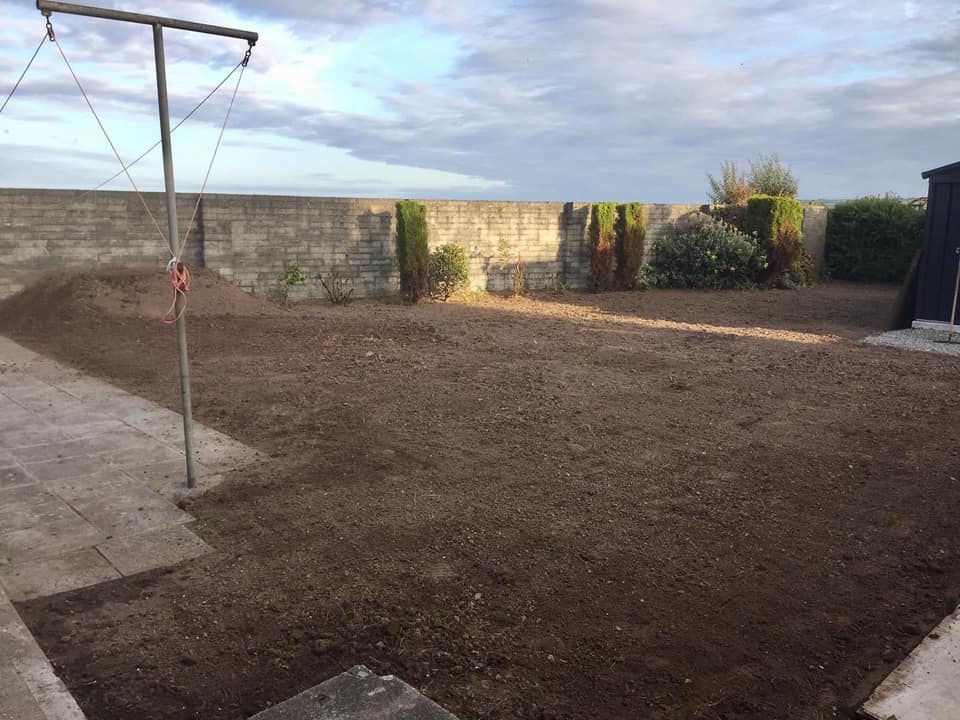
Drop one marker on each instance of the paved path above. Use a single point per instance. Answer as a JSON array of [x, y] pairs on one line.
[[926, 685], [89, 475]]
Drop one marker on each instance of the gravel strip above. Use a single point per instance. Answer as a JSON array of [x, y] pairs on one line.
[[922, 340]]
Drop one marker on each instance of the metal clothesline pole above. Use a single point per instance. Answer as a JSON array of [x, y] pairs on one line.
[[158, 23], [173, 234]]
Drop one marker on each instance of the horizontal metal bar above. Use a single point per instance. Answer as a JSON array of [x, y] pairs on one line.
[[110, 14]]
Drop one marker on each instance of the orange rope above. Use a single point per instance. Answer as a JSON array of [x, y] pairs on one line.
[[180, 280]]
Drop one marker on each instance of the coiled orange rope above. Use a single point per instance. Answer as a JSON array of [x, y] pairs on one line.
[[180, 280]]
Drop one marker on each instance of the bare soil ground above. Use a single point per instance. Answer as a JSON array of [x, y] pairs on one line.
[[644, 505]]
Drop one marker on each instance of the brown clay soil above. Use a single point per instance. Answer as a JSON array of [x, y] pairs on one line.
[[632, 505]]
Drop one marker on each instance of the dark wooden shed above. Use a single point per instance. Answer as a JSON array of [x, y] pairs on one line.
[[941, 245]]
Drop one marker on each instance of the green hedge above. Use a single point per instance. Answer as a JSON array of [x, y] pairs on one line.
[[872, 239], [768, 215], [631, 243], [603, 218], [413, 253]]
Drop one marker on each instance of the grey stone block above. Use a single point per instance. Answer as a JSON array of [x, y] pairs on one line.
[[358, 694], [49, 576], [149, 550]]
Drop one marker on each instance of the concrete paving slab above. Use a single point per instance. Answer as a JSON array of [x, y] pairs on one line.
[[14, 419], [216, 451], [21, 658], [157, 548], [157, 422], [168, 478], [21, 494], [29, 431], [125, 406], [102, 484], [40, 398], [33, 509], [127, 508], [358, 694], [925, 686], [14, 476], [92, 428], [81, 415], [48, 451], [48, 540], [16, 700], [50, 371], [49, 576], [91, 389], [148, 452], [66, 467], [12, 352]]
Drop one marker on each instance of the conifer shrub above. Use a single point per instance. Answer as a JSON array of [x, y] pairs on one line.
[[603, 218], [413, 254], [767, 214], [631, 233], [776, 223]]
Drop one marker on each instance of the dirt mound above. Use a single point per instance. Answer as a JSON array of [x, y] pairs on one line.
[[124, 292]]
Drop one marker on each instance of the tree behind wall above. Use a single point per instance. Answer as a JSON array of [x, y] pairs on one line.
[[631, 238], [413, 253], [769, 176], [603, 217], [732, 188]]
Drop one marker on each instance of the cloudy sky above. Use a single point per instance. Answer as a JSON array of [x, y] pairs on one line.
[[530, 99]]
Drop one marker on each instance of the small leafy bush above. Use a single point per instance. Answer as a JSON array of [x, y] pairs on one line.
[[631, 234], [769, 176], [603, 218], [413, 254], [872, 239], [449, 271], [731, 189], [711, 254], [289, 278], [513, 264]]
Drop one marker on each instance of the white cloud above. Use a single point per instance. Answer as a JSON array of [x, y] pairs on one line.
[[575, 99]]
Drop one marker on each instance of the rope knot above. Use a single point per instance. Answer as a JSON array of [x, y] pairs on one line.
[[180, 280]]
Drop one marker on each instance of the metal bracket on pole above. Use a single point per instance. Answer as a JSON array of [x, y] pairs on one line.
[[48, 6], [158, 23]]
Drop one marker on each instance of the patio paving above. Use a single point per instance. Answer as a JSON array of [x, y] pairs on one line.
[[89, 478]]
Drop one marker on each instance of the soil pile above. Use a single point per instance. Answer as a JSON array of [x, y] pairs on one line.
[[123, 292]]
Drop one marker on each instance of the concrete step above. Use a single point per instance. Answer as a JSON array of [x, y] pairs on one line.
[[357, 694]]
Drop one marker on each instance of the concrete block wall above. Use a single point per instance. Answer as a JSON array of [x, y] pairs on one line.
[[42, 230], [249, 239]]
